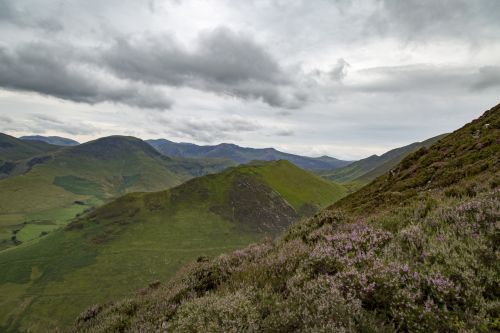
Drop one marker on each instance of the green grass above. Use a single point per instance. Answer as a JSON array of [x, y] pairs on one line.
[[92, 173], [143, 237]]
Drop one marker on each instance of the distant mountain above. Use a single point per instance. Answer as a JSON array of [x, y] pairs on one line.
[[53, 140], [13, 149], [43, 192], [416, 250], [142, 237], [242, 155], [367, 169]]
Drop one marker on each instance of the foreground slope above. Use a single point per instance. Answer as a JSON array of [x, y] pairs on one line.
[[43, 192], [242, 155], [414, 251], [367, 169], [143, 237]]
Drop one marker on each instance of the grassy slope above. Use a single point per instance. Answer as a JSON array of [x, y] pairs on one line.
[[365, 170], [414, 251], [12, 149], [91, 174], [143, 237]]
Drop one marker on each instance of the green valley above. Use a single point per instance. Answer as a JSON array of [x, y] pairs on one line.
[[140, 238]]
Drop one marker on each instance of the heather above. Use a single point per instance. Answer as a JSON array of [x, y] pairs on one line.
[[436, 273], [415, 251]]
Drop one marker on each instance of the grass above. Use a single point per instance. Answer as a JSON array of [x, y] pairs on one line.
[[139, 238], [91, 173]]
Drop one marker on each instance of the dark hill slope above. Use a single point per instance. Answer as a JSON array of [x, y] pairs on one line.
[[414, 251], [143, 237], [367, 169], [242, 155], [53, 140], [12, 149]]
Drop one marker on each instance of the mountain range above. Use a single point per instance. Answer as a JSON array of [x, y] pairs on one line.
[[53, 140], [142, 237], [241, 155], [416, 250]]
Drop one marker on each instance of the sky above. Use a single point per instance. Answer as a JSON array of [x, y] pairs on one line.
[[345, 78]]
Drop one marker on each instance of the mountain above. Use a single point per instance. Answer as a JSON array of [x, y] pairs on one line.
[[142, 237], [12, 149], [42, 193], [242, 155], [53, 140], [367, 169], [416, 250]]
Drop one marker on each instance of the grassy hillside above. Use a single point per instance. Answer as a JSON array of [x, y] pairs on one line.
[[53, 140], [143, 237], [242, 155], [12, 149], [44, 192], [414, 251], [363, 171]]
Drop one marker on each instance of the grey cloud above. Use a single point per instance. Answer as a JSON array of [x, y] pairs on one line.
[[339, 71], [209, 130], [6, 120], [223, 62], [61, 71], [23, 17], [428, 19], [284, 132], [424, 78], [42, 123], [488, 77]]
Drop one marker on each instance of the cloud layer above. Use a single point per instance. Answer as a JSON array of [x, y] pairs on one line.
[[345, 77]]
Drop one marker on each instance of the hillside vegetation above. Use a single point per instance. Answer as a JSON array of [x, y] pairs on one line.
[[12, 149], [361, 172], [140, 238], [38, 194], [414, 251]]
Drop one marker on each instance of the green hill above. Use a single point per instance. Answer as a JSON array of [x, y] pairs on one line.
[[12, 149], [143, 237], [42, 193], [416, 250], [363, 171]]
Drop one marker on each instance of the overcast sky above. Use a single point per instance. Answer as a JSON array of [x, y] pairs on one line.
[[345, 78]]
